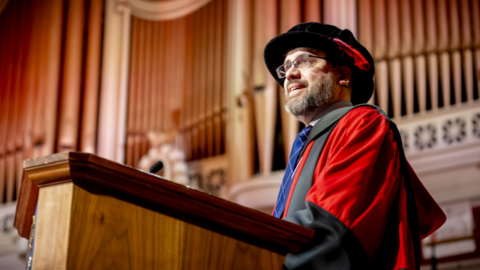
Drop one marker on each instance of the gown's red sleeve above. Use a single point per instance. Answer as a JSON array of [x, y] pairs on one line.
[[357, 176]]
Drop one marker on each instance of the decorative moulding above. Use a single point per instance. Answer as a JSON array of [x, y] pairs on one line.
[[446, 139], [163, 10]]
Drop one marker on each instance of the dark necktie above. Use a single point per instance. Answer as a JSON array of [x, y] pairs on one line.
[[290, 171]]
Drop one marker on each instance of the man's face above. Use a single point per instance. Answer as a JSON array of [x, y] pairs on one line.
[[309, 89]]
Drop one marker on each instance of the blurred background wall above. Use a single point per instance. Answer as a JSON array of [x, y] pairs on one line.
[[183, 81]]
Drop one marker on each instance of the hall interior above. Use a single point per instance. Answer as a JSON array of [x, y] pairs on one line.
[[184, 82]]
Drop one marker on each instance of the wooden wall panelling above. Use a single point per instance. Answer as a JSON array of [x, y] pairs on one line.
[[167, 76], [195, 86], [175, 61], [175, 85], [246, 106], [23, 78], [36, 134], [147, 79], [225, 65], [92, 70], [259, 76], [136, 93], [137, 121], [5, 94], [476, 39], [179, 76], [266, 100], [71, 82], [431, 49], [165, 73], [365, 24], [10, 176], [210, 65], [132, 90], [3, 100], [240, 134], [30, 86], [443, 42], [365, 29], [186, 113], [289, 17], [173, 66], [144, 112], [117, 38], [195, 91], [466, 43], [202, 109], [27, 88], [113, 136], [161, 76], [12, 60], [51, 74], [20, 52], [170, 70], [407, 60], [172, 63], [169, 73], [341, 13], [219, 73], [140, 89], [313, 12], [455, 44], [182, 69], [271, 86], [394, 43], [2, 176], [380, 53], [153, 102], [177, 82], [144, 90], [418, 22], [177, 71], [259, 41], [331, 11]]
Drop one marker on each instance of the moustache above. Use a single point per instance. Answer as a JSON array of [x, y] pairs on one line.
[[302, 82]]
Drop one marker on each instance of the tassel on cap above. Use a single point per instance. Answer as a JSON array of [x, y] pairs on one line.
[[358, 59]]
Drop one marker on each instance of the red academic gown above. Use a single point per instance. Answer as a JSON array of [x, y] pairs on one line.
[[357, 200]]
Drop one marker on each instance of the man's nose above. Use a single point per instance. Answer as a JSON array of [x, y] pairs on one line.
[[292, 73]]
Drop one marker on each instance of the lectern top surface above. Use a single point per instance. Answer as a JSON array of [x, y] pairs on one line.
[[102, 176]]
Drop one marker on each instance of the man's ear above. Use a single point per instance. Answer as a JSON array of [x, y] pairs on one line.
[[345, 76]]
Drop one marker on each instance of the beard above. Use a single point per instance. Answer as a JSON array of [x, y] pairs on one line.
[[317, 98]]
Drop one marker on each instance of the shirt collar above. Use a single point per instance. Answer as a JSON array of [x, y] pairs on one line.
[[333, 107]]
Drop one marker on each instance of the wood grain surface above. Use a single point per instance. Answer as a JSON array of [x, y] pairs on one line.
[[53, 227], [103, 177], [112, 234]]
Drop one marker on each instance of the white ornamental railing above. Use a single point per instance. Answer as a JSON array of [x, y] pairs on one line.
[[445, 129]]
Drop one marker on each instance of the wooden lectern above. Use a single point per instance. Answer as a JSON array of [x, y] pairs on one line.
[[97, 214]]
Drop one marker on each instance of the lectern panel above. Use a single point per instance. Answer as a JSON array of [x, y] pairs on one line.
[[53, 225], [97, 214], [113, 234]]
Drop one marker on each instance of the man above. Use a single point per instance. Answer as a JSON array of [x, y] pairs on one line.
[[347, 177]]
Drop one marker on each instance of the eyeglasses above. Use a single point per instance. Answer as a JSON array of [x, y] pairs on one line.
[[302, 61]]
